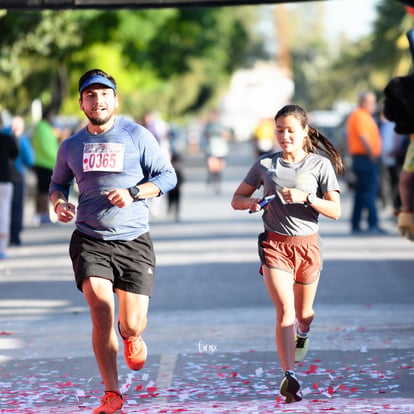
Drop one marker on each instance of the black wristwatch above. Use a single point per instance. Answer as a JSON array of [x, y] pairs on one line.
[[310, 199], [134, 192]]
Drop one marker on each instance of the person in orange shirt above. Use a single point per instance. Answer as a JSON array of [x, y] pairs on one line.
[[364, 145]]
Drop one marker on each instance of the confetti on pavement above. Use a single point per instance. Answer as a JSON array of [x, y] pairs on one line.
[[245, 382]]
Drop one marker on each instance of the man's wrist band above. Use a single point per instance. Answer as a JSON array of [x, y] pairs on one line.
[[57, 202]]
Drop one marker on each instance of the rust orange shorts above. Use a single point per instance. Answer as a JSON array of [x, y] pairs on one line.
[[298, 255]]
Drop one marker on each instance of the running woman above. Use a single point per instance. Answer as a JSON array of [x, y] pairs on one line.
[[305, 185]]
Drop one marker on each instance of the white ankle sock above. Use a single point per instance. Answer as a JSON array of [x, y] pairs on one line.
[[302, 334]]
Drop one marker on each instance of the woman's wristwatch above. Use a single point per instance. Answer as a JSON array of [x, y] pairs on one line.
[[310, 199]]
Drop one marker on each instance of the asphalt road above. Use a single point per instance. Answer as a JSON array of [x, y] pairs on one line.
[[211, 324]]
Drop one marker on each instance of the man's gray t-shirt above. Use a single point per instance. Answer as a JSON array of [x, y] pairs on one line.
[[314, 174], [122, 157]]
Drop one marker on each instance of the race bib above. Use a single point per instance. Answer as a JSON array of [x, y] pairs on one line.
[[103, 157]]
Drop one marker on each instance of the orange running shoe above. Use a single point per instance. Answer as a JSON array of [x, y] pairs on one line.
[[111, 402], [135, 351]]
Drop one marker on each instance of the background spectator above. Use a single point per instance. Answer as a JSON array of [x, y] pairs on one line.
[[24, 160], [45, 145], [8, 152]]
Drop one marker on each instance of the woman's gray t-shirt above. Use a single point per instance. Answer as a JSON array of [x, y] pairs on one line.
[[314, 174]]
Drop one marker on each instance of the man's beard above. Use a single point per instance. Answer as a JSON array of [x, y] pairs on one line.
[[99, 121]]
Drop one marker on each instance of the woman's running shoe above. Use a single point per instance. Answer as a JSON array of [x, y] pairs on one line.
[[289, 387]]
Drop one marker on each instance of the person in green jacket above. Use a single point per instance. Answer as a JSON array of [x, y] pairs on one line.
[[45, 146]]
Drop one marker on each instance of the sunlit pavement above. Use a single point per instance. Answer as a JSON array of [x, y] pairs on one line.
[[210, 333]]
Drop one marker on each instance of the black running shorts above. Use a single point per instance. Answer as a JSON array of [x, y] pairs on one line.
[[129, 265]]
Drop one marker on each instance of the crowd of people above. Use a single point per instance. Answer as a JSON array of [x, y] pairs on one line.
[[36, 149], [376, 150]]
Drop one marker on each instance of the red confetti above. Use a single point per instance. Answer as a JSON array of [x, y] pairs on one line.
[[139, 387], [312, 369], [63, 384], [315, 386], [234, 374]]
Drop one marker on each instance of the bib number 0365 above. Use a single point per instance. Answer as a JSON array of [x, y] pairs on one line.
[[103, 157]]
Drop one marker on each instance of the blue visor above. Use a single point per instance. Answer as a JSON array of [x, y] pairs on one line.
[[101, 80]]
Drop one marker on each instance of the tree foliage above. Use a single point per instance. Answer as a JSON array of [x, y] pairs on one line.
[[172, 60], [323, 77], [33, 47], [178, 60]]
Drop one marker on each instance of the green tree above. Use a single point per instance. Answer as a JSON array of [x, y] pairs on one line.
[[33, 47], [323, 78], [174, 60], [373, 60]]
